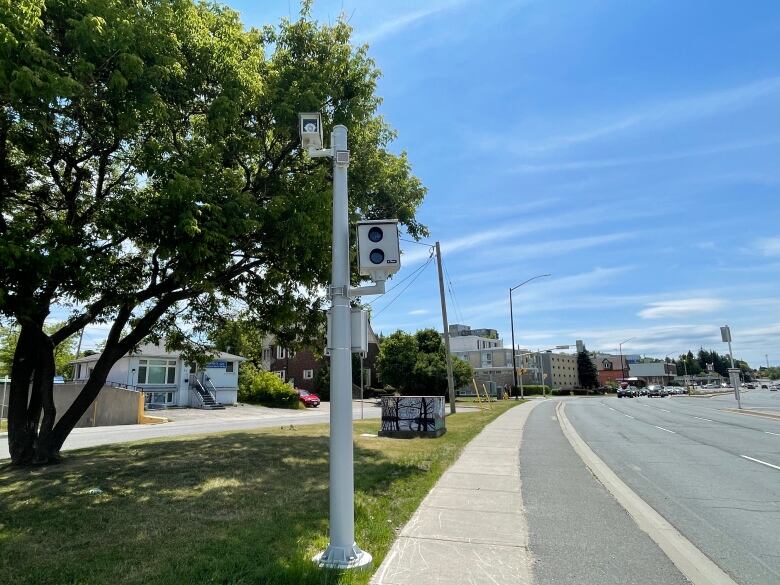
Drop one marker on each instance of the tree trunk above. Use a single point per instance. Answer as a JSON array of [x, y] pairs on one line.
[[33, 363], [48, 447], [22, 431]]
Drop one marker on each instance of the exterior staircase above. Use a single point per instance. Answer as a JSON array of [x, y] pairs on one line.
[[205, 398]]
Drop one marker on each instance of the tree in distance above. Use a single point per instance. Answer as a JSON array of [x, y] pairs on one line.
[[151, 175], [416, 364], [586, 370]]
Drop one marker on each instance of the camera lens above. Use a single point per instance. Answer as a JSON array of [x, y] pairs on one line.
[[377, 256], [375, 234]]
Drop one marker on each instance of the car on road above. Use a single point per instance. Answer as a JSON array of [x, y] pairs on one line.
[[764, 386], [309, 399], [774, 388], [626, 391]]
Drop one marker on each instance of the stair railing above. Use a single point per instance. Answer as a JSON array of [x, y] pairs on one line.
[[200, 391], [213, 390]]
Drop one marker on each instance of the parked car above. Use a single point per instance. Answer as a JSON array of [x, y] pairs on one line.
[[308, 399], [774, 388], [627, 392], [764, 386]]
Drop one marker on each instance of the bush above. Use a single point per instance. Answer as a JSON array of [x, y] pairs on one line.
[[258, 387], [531, 390]]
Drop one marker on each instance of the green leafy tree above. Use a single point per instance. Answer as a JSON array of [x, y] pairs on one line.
[[416, 364], [586, 370], [151, 173], [396, 360]]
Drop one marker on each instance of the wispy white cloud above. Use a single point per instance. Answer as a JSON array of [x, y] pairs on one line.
[[591, 164], [668, 113], [563, 246], [525, 225], [419, 312], [680, 308], [768, 246], [402, 21]]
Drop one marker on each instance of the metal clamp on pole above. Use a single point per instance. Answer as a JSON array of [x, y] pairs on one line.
[[378, 288], [336, 290]]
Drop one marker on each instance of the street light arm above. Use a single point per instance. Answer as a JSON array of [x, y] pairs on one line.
[[529, 280]]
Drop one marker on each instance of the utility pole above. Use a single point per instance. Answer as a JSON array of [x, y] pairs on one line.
[[78, 348], [766, 355], [450, 381]]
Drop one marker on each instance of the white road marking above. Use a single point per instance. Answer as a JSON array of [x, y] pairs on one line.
[[664, 410], [761, 462], [612, 409], [700, 418], [775, 434], [693, 563], [628, 415], [663, 429]]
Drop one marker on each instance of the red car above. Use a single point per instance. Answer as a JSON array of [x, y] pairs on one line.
[[308, 398]]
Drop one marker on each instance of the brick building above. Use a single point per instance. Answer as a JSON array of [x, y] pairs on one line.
[[300, 368]]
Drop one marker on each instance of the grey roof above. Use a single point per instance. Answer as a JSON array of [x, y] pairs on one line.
[[159, 351]]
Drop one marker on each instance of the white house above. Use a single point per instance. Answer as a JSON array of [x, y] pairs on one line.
[[167, 380]]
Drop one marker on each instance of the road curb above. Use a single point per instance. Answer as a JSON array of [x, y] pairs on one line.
[[693, 563], [768, 415]]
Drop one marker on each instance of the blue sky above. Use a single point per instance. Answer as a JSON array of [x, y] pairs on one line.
[[628, 148]]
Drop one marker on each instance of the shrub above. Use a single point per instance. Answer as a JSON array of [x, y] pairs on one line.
[[258, 387], [532, 389]]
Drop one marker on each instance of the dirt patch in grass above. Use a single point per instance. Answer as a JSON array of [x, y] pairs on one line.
[[232, 508]]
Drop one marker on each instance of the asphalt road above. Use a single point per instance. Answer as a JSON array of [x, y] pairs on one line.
[[578, 533], [714, 475], [193, 421]]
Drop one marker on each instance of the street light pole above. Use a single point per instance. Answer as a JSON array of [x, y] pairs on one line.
[[622, 361], [512, 319]]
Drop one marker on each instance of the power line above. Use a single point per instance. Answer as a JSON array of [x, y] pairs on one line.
[[400, 282], [387, 306], [418, 243], [451, 288]]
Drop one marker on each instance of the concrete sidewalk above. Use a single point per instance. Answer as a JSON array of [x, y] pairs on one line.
[[471, 528]]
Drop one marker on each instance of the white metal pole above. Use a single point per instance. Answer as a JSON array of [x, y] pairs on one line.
[[342, 551], [362, 372], [3, 409]]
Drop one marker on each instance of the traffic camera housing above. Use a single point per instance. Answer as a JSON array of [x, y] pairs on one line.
[[379, 252], [310, 127]]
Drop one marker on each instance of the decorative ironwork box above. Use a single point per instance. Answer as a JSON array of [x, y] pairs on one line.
[[412, 416]]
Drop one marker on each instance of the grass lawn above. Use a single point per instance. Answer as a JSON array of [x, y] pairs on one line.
[[233, 508], [3, 425]]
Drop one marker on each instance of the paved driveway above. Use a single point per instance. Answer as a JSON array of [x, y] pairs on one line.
[[189, 421]]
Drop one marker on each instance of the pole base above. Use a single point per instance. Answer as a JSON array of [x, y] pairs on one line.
[[339, 557]]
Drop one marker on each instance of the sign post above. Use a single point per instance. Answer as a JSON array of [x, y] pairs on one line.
[[725, 334]]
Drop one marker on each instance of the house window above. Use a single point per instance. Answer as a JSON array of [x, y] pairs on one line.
[[267, 354], [78, 372], [159, 398], [279, 352], [280, 374], [229, 367], [156, 371], [308, 374]]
